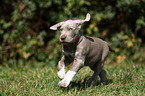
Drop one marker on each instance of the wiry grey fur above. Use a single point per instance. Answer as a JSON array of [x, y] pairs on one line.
[[81, 50]]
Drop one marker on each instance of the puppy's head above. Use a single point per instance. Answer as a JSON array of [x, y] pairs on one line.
[[69, 30]]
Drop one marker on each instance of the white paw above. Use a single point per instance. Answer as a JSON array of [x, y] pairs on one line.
[[63, 83], [61, 73], [67, 79]]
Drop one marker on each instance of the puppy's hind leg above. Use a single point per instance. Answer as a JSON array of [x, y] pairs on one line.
[[93, 79], [102, 74], [97, 69], [103, 77]]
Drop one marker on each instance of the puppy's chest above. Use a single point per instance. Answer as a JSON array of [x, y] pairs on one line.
[[69, 53]]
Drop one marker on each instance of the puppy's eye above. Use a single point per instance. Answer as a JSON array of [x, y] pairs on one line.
[[70, 29]]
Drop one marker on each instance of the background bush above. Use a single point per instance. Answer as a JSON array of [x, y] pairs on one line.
[[25, 36]]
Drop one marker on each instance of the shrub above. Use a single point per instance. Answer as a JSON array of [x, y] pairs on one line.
[[25, 35]]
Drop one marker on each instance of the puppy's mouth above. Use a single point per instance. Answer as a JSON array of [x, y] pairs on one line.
[[66, 41], [63, 41]]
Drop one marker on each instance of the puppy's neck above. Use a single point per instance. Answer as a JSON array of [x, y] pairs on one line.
[[80, 39]]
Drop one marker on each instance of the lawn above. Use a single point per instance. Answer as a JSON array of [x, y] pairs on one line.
[[123, 79]]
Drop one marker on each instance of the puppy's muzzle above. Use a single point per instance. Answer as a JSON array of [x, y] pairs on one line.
[[63, 37]]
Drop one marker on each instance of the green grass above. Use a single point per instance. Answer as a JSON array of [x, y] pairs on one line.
[[123, 79]]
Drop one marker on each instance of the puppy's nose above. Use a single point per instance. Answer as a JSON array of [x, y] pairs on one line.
[[63, 37]]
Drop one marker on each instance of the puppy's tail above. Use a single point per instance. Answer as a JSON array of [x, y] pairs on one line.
[[110, 49]]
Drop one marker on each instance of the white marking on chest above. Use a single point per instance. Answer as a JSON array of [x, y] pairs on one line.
[[69, 53]]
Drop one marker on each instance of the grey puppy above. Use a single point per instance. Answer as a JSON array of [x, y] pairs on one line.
[[81, 50]]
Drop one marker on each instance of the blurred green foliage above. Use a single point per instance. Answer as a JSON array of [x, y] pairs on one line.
[[25, 36]]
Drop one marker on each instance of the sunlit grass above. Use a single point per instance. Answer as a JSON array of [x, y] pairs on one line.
[[123, 79]]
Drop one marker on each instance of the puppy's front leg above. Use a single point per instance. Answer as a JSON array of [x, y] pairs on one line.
[[61, 68], [78, 63]]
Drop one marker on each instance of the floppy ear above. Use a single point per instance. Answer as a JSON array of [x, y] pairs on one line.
[[82, 21], [54, 27], [88, 17]]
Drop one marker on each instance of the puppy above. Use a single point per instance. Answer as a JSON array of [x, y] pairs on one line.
[[81, 50]]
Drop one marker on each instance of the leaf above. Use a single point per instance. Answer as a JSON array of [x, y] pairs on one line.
[[26, 55], [129, 44]]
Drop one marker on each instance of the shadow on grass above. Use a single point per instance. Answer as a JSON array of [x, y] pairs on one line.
[[82, 84]]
